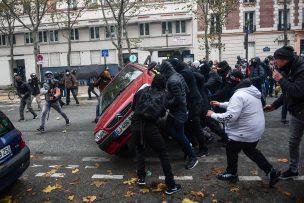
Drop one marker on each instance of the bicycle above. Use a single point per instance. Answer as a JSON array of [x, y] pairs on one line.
[[12, 94]]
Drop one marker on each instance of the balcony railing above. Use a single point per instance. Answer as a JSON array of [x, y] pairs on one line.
[[281, 26], [249, 29]]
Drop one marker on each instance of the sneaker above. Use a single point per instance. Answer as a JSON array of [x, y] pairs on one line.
[[202, 153], [191, 163], [141, 181], [273, 177], [289, 175], [228, 177], [170, 191], [40, 129], [67, 122], [36, 116]]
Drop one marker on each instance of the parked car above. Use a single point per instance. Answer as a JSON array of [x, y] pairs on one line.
[[14, 154], [112, 132]]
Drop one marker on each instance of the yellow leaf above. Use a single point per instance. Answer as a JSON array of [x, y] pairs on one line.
[[198, 194], [49, 188], [254, 173], [89, 199], [71, 197], [214, 200], [7, 199], [283, 160], [57, 166], [217, 171], [144, 190], [76, 170], [29, 190], [98, 183], [130, 181], [287, 194], [51, 172], [98, 165], [75, 182], [186, 200], [129, 194], [109, 172], [235, 189]]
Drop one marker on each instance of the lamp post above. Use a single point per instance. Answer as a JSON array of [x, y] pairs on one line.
[[166, 32], [246, 38]]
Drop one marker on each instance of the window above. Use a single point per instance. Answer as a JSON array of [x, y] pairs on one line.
[[249, 1], [43, 36], [249, 21], [75, 34], [166, 27], [144, 29], [180, 26], [54, 59], [2, 40], [215, 24], [75, 58], [28, 38], [281, 20], [95, 57], [73, 4], [111, 31], [54, 36], [94, 32]]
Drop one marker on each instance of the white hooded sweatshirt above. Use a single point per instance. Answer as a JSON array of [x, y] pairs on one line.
[[244, 118]]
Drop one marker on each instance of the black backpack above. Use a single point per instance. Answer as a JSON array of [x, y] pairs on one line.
[[150, 104]]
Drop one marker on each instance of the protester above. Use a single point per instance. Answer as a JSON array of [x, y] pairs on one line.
[[59, 82], [146, 131], [52, 93], [245, 124], [35, 85], [290, 76], [90, 83], [24, 93], [70, 85]]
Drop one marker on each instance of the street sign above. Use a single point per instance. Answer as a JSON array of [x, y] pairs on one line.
[[105, 52], [39, 59], [133, 58], [266, 49]]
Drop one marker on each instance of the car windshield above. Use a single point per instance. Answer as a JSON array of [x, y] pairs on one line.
[[5, 124], [119, 84]]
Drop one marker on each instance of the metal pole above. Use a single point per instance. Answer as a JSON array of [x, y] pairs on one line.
[[105, 61]]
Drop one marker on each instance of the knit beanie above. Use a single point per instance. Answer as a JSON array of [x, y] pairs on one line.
[[285, 53]]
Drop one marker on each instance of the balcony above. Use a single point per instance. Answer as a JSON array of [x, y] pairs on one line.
[[249, 2], [249, 29], [281, 27]]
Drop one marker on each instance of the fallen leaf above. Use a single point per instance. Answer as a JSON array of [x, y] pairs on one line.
[[64, 131], [71, 197], [57, 166], [76, 170], [198, 194], [7, 199], [214, 200], [33, 193], [51, 172], [235, 189], [129, 194], [89, 199], [217, 171], [75, 182], [130, 181], [186, 200], [109, 172], [98, 165], [144, 190], [287, 194], [49, 188], [283, 160], [29, 190], [254, 173], [98, 183], [159, 187]]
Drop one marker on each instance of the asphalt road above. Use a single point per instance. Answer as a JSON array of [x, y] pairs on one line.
[[72, 161]]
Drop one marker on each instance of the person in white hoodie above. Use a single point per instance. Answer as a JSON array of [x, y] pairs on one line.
[[244, 124]]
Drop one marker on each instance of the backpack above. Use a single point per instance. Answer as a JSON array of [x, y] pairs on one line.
[[150, 104]]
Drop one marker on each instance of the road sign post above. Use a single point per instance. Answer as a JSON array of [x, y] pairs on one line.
[[105, 54]]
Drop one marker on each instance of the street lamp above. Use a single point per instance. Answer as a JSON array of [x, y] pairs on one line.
[[166, 32]]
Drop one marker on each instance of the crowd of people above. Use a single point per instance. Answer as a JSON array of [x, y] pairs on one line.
[[229, 101]]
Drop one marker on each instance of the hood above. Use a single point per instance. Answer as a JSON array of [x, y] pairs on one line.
[[252, 90], [257, 62], [166, 69]]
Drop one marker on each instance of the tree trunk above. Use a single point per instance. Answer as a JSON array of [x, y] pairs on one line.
[[220, 46], [206, 31], [36, 50], [69, 36], [285, 23], [11, 55]]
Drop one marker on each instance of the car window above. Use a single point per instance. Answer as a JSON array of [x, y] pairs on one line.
[[118, 85], [5, 124]]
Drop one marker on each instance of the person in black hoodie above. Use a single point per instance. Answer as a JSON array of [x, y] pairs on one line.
[[223, 70], [177, 105], [212, 78], [290, 76], [257, 76], [194, 105], [35, 85], [24, 92]]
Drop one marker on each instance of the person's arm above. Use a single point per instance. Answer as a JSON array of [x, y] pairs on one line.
[[29, 90], [176, 93]]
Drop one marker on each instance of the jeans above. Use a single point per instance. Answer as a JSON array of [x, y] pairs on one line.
[[46, 108], [296, 130], [233, 148], [284, 112], [28, 102], [154, 139], [68, 96]]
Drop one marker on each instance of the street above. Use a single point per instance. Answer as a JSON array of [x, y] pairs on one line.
[[67, 166]]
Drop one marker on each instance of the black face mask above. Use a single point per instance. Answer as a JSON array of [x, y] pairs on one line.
[[19, 83]]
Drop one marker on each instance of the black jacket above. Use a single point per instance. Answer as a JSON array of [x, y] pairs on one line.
[[214, 82], [257, 73], [292, 85], [35, 85], [200, 80], [23, 90]]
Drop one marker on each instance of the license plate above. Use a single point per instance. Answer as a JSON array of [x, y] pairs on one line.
[[123, 126], [6, 151]]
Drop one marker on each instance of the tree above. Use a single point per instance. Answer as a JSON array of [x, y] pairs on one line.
[[285, 23], [29, 13], [7, 24], [67, 17]]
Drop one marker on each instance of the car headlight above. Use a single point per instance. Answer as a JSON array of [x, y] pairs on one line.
[[99, 135]]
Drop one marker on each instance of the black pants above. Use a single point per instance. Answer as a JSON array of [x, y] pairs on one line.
[[195, 133], [91, 89], [214, 126], [151, 135], [233, 148], [68, 96]]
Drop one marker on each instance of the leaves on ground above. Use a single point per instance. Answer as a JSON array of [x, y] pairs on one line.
[[49, 173], [98, 165], [283, 160], [98, 183], [89, 198], [287, 194], [71, 197], [235, 189], [197, 194], [129, 194], [186, 200], [50, 188], [75, 182], [144, 190], [7, 199], [254, 173], [159, 187], [109, 172], [130, 181], [216, 171], [29, 190], [76, 170]]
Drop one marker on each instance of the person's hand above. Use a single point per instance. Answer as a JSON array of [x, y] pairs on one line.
[[214, 103], [268, 108], [276, 75], [209, 113]]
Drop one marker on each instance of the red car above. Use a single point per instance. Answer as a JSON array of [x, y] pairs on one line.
[[112, 132]]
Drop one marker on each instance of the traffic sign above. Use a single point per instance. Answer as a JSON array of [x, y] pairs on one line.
[[39, 59], [133, 58], [105, 52], [266, 49]]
